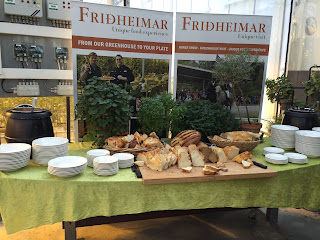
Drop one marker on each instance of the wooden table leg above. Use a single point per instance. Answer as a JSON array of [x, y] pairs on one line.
[[272, 215], [70, 231]]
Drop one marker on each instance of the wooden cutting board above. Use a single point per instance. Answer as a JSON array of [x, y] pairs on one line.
[[175, 175]]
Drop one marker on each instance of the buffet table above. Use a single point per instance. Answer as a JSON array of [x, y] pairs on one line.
[[31, 197]]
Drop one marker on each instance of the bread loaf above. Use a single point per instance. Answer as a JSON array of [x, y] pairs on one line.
[[137, 137], [154, 135], [143, 137], [237, 136], [210, 170], [128, 138], [152, 142], [245, 164], [205, 150], [231, 151], [187, 169], [155, 163], [242, 156], [139, 163], [221, 156], [185, 138], [221, 164], [197, 157], [184, 160]]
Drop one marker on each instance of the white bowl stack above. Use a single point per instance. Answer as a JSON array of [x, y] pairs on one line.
[[47, 148], [308, 143], [67, 166], [276, 150], [316, 129], [92, 154], [296, 158], [126, 160], [105, 165], [14, 156], [283, 136], [276, 158]]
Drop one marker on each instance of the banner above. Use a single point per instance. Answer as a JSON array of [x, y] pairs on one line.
[[202, 40], [126, 46]]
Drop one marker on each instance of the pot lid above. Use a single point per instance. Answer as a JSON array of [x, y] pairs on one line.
[[28, 113], [302, 110]]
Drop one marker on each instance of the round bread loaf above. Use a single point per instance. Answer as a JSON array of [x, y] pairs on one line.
[[195, 140]]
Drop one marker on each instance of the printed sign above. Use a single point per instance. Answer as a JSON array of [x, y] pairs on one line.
[[202, 41], [126, 46], [222, 34], [110, 28]]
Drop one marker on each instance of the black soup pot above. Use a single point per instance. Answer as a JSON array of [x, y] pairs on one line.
[[303, 118], [26, 124]]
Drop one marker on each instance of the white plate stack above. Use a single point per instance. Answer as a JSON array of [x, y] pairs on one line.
[[276, 158], [14, 156], [316, 129], [67, 166], [125, 159], [296, 158], [283, 136], [96, 153], [105, 165], [276, 150], [308, 143], [47, 148]]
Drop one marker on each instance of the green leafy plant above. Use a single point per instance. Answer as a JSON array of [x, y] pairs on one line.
[[160, 113], [208, 118], [104, 106], [280, 88], [235, 69], [313, 84]]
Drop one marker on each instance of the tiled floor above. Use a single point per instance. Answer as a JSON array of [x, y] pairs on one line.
[[294, 224]]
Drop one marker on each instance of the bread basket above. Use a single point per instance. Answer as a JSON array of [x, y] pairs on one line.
[[134, 151], [243, 146]]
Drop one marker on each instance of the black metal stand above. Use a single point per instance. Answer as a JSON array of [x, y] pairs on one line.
[[71, 231], [68, 118]]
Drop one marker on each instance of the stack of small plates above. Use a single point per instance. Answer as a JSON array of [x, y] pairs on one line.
[[296, 158], [283, 136], [105, 165], [125, 159], [316, 129], [276, 150], [67, 166], [47, 148], [276, 158], [308, 143], [14, 156], [96, 153]]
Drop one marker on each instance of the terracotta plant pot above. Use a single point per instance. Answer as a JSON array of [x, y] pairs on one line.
[[253, 127]]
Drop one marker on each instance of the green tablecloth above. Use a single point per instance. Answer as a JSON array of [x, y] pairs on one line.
[[31, 197]]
